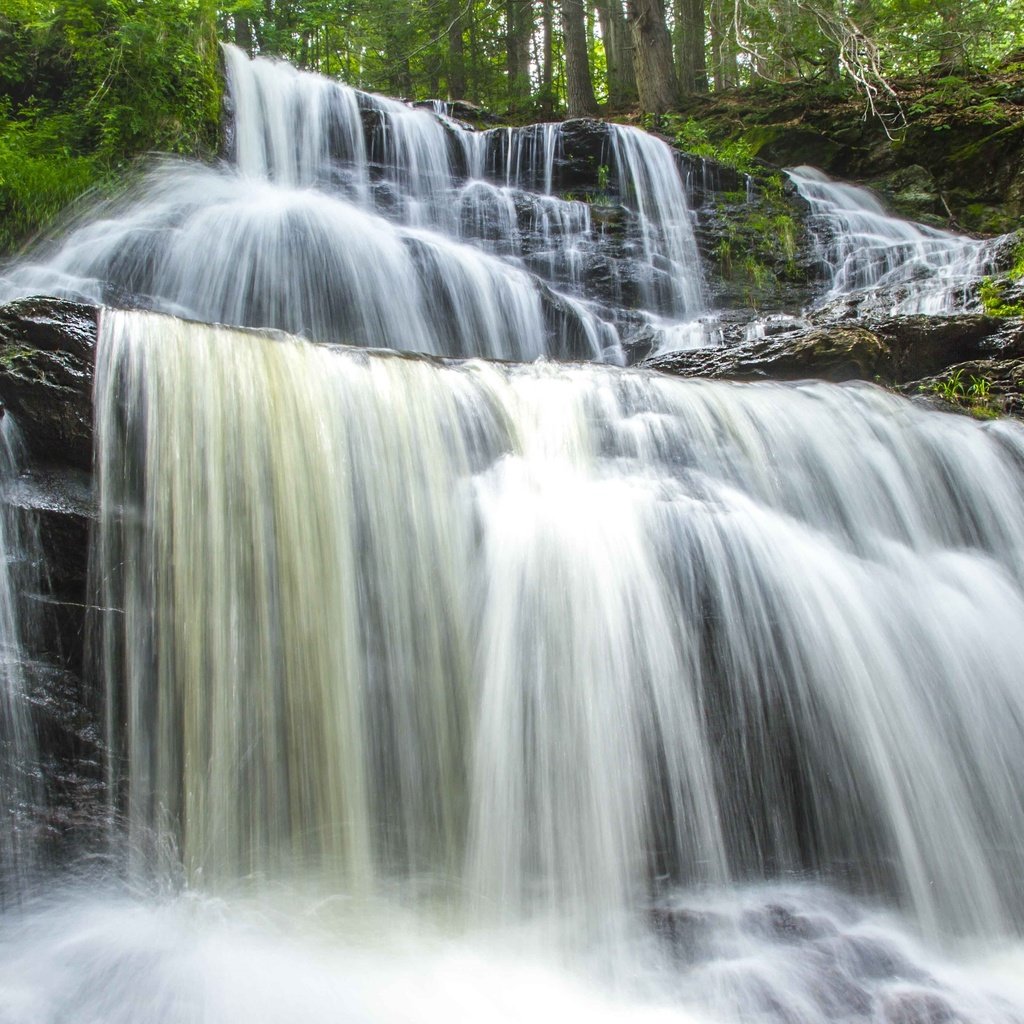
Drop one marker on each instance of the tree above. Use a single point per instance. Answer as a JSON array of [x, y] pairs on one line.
[[518, 32], [652, 56], [579, 88], [618, 53], [690, 32]]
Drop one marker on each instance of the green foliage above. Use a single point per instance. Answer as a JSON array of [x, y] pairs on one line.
[[758, 242], [973, 395], [994, 301], [992, 292], [89, 85], [691, 136]]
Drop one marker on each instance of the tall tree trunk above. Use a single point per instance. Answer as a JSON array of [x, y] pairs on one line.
[[952, 54], [579, 88], [547, 69], [456, 52], [652, 56], [691, 62], [518, 30], [618, 53]]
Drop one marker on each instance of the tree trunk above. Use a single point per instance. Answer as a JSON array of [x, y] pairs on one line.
[[618, 53], [547, 71], [518, 30], [579, 88], [652, 56], [243, 33], [690, 57], [455, 75]]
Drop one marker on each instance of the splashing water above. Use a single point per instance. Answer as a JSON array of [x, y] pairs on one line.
[[449, 691], [915, 268]]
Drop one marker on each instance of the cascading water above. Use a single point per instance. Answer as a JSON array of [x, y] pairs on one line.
[[18, 783], [908, 267], [353, 218], [541, 690], [445, 691]]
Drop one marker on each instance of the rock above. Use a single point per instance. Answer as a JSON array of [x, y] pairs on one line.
[[874, 959], [47, 350], [788, 146], [918, 1007], [912, 192], [780, 922], [689, 933], [835, 354], [906, 352]]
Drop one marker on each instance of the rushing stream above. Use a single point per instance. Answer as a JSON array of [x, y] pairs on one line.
[[455, 690], [869, 252]]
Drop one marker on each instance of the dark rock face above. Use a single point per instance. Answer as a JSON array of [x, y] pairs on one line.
[[47, 351], [835, 354], [901, 351]]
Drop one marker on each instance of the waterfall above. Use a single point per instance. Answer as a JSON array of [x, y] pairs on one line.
[[441, 688], [18, 782], [867, 250], [540, 635], [352, 218]]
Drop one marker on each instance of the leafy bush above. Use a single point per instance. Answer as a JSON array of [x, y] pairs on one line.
[[87, 85]]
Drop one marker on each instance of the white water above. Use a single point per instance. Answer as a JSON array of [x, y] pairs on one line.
[[908, 267], [18, 785], [353, 218], [451, 691]]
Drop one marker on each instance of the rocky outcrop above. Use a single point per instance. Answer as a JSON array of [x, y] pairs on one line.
[[47, 349], [917, 355], [958, 162]]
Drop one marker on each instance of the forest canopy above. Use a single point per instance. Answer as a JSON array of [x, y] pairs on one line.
[[87, 85]]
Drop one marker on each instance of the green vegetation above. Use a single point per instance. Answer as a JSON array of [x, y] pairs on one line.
[[757, 249], [691, 136], [88, 85], [993, 295], [974, 396]]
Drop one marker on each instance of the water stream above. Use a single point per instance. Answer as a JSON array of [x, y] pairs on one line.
[[442, 690], [446, 689], [349, 217], [870, 253]]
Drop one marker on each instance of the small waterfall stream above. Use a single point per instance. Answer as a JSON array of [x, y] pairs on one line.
[[19, 784], [909, 267]]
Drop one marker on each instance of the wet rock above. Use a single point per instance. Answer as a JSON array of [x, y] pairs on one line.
[[586, 149], [913, 193], [47, 351], [874, 959], [835, 354], [780, 922], [909, 353], [689, 933], [918, 1007]]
